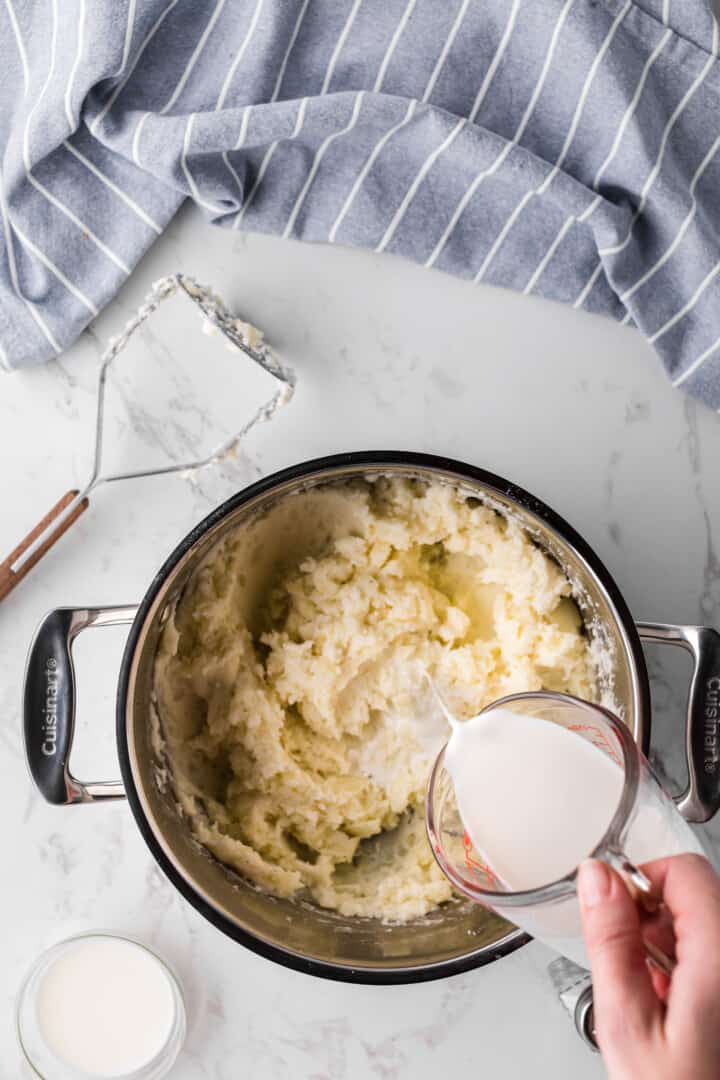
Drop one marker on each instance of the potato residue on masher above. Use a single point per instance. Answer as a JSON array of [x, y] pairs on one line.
[[290, 681]]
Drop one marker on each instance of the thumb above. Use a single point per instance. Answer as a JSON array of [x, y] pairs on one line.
[[625, 1003]]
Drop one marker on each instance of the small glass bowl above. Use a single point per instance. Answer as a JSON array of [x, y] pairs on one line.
[[42, 1059]]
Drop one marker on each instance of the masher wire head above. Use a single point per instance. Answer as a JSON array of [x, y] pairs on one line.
[[216, 318]]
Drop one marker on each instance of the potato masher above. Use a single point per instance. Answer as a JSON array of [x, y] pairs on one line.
[[239, 335]]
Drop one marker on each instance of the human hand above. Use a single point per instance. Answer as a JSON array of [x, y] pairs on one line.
[[647, 1025]]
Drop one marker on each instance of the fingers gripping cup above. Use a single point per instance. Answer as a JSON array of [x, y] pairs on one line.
[[529, 788]]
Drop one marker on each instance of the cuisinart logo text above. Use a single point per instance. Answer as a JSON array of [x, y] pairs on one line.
[[712, 722], [49, 712]]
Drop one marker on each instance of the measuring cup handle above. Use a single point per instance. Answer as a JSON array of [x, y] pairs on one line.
[[49, 703], [701, 800], [39, 540]]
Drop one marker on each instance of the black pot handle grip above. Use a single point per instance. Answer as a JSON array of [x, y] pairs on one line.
[[701, 800], [49, 704]]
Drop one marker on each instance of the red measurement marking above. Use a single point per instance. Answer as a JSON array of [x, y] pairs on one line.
[[598, 739], [474, 865]]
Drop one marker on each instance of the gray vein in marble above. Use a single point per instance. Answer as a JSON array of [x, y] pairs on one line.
[[30, 804], [692, 437], [387, 1057], [613, 525], [10, 737], [111, 852], [56, 366], [445, 384], [637, 410], [148, 428], [184, 400], [325, 1042], [710, 594], [57, 851]]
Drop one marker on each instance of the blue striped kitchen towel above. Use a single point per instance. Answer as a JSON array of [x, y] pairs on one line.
[[569, 148]]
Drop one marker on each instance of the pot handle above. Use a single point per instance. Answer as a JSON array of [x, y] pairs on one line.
[[49, 705], [701, 800]]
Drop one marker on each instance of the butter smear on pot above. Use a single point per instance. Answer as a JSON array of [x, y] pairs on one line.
[[297, 725]]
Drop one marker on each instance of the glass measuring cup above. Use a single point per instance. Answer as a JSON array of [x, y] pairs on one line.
[[644, 825]]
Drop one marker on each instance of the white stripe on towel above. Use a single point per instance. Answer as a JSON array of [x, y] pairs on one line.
[[194, 190], [616, 248], [193, 59], [368, 166], [520, 131], [9, 244], [696, 364], [449, 42], [72, 123], [569, 137], [241, 52], [382, 72], [299, 120], [677, 112], [683, 228], [129, 27], [632, 106], [291, 43], [121, 86], [20, 44], [47, 262], [52, 199], [316, 163], [412, 190], [687, 308], [338, 47], [238, 145], [123, 195], [499, 53]]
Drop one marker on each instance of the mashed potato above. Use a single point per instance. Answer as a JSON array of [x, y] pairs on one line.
[[290, 682]]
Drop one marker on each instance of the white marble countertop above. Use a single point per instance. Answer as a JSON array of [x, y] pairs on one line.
[[388, 356]]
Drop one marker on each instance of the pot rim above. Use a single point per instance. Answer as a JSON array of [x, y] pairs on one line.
[[313, 468]]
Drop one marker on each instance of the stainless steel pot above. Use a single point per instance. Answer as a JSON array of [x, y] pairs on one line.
[[460, 936]]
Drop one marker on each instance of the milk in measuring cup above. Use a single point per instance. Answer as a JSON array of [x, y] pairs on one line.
[[536, 799]]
